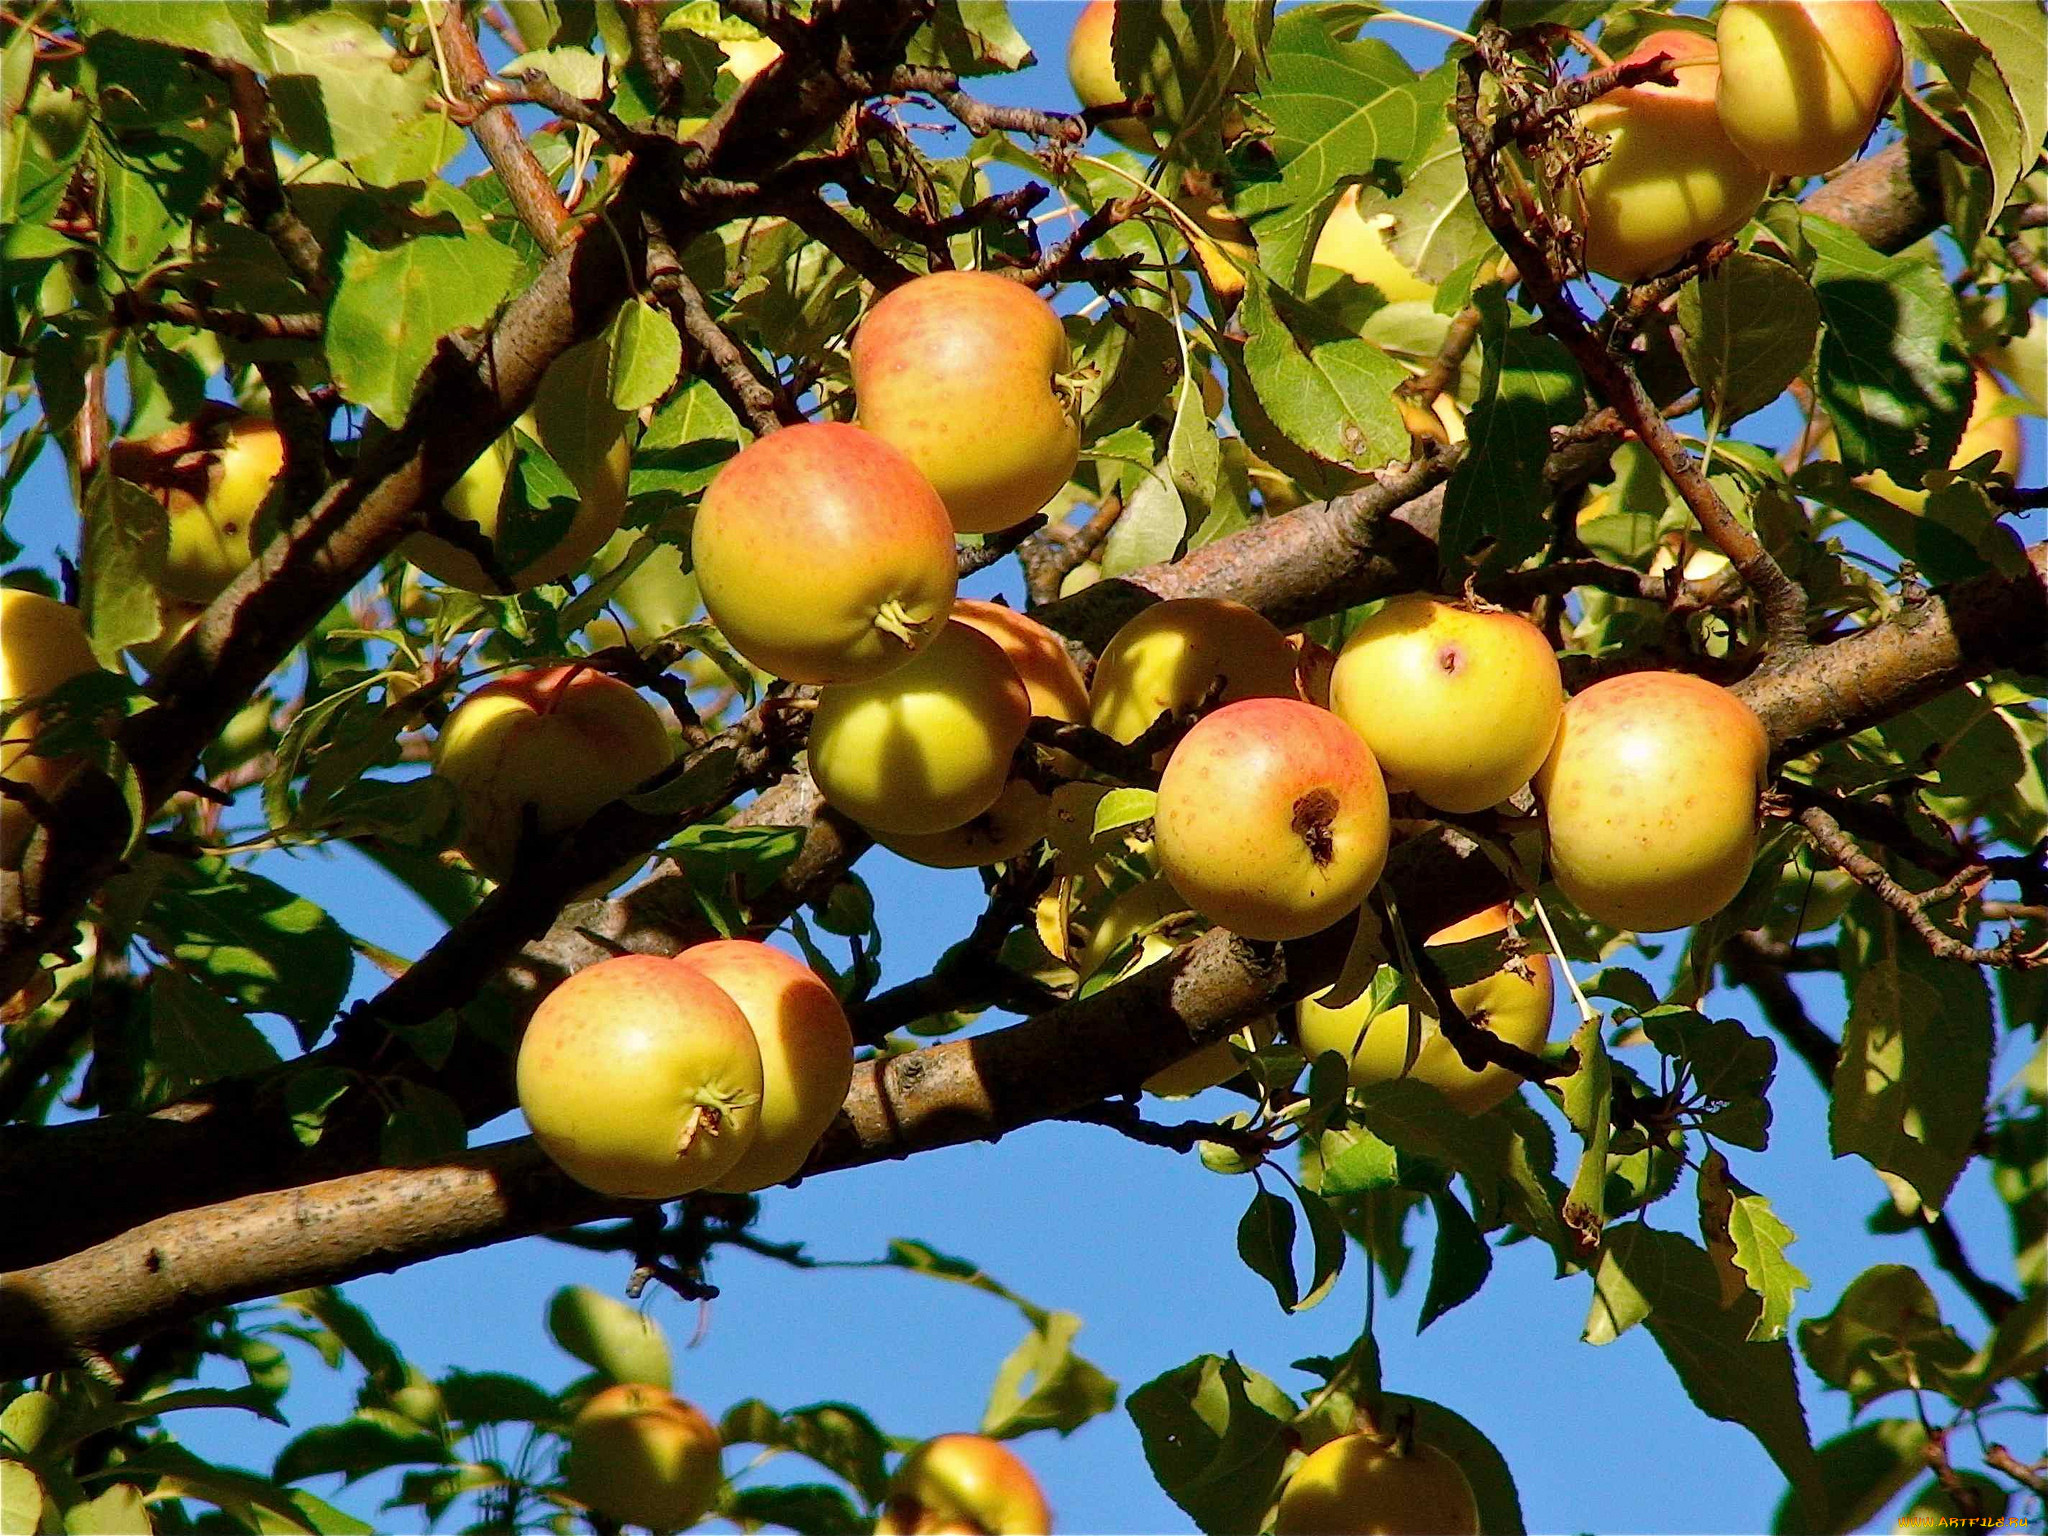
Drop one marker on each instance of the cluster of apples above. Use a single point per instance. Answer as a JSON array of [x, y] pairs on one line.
[[1783, 88], [643, 1456]]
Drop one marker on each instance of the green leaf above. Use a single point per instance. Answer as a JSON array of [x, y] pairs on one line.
[[473, 1398], [1178, 53], [971, 37], [221, 27], [1894, 374], [814, 1509], [197, 1038], [1326, 1231], [339, 88], [697, 787], [121, 562], [1216, 1437], [1150, 529], [1528, 385], [647, 355], [1912, 1077], [1461, 1262], [27, 1421], [352, 1330], [1731, 1071], [392, 306], [1064, 1391], [1437, 229], [1355, 1162], [1124, 808], [1861, 1471], [21, 1498], [836, 1436], [262, 946], [618, 1341], [370, 1441], [1988, 73], [1669, 1284], [425, 1126], [257, 1501], [1747, 1242], [1329, 390], [1748, 330], [1265, 1241], [118, 1511], [1588, 1104], [1886, 1335]]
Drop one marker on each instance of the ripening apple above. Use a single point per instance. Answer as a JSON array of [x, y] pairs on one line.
[[962, 372], [653, 599], [644, 1457], [806, 1053], [1272, 818], [212, 477], [1170, 654], [1092, 70], [1515, 1006], [1459, 705], [1988, 430], [1650, 798], [1672, 177], [641, 1078], [1151, 905], [1014, 823], [1361, 1485], [545, 749], [42, 647], [1315, 665], [572, 417], [964, 1483], [1057, 689], [1803, 82], [824, 555], [928, 746], [1356, 245]]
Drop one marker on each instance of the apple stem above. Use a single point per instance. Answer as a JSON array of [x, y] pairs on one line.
[[1587, 1013], [893, 618]]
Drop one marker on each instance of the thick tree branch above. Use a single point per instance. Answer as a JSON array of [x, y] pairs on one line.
[[499, 136]]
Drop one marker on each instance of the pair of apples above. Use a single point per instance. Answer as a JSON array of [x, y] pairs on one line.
[[643, 1456], [1783, 88]]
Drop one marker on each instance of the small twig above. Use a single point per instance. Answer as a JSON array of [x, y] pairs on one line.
[[739, 377], [831, 229], [2022, 498], [643, 21], [258, 186], [133, 309], [2034, 268], [970, 558], [537, 89], [1122, 1116], [498, 134], [1052, 555], [1450, 357], [980, 117], [1792, 957], [1533, 120], [1066, 261], [2029, 1477]]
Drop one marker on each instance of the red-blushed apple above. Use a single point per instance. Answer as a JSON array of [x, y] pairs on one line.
[[1514, 1003], [1092, 71], [964, 1483], [962, 372], [590, 441], [1672, 177], [1650, 799], [543, 750], [42, 647], [1055, 684], [1272, 818], [641, 1078], [1151, 907], [1803, 82], [927, 747], [824, 554], [1459, 705], [1169, 655], [806, 1053], [1358, 1485], [642, 1456], [212, 476], [1356, 245]]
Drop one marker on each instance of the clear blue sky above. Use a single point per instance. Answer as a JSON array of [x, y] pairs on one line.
[[1138, 1241]]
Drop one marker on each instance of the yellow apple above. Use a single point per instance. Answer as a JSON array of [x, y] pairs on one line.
[[1987, 431], [587, 436], [1515, 1007], [961, 371], [928, 746], [644, 1457], [1151, 904], [1458, 705], [1356, 245], [1671, 178], [806, 1053], [544, 749], [1803, 82], [1092, 71], [1650, 799], [964, 1483], [1169, 655], [824, 555], [42, 647], [1014, 823], [212, 477], [1272, 818], [641, 1078], [1357, 1485]]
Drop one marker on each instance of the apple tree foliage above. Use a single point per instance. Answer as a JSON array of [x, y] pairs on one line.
[[351, 218]]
